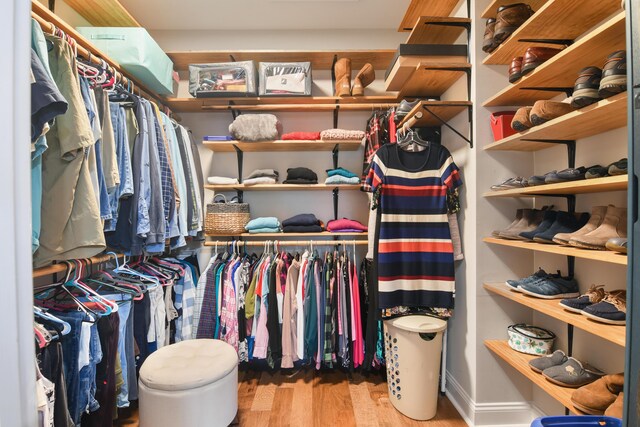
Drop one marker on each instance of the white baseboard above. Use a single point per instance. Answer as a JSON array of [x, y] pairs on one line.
[[511, 414]]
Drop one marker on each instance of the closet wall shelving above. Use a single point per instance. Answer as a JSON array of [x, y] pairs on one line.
[[560, 21]]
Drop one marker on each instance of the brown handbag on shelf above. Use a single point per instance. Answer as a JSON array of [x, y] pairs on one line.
[[226, 217]]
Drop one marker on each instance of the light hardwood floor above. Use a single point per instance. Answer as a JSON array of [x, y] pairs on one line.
[[327, 398]]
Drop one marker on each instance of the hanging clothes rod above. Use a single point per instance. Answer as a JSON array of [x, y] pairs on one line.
[[288, 242], [62, 267], [411, 122]]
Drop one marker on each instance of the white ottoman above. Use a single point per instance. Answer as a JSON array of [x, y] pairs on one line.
[[189, 384]]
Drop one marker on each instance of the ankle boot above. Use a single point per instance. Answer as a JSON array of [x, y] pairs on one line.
[[614, 225], [364, 78], [529, 222], [519, 214], [597, 216], [342, 71]]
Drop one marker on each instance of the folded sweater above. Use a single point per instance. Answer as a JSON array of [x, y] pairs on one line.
[[222, 180], [264, 230], [301, 136], [259, 180], [302, 229], [301, 175], [341, 172], [339, 179], [259, 173], [341, 134], [263, 222], [301, 219], [344, 224]]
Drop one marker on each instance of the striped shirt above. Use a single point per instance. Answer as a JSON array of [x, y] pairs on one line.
[[414, 253]]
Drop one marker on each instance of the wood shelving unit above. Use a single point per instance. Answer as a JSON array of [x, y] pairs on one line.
[[280, 235], [596, 185], [604, 256], [104, 13], [424, 32], [281, 145], [556, 19], [613, 333], [605, 115], [418, 8], [444, 109], [492, 10], [282, 187], [520, 362], [562, 70]]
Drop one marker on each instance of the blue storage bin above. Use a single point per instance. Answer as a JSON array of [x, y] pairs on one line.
[[577, 421]]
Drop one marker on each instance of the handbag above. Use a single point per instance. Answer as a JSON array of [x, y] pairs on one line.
[[227, 218], [530, 339]]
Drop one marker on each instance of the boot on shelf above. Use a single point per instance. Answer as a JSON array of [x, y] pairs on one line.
[[364, 78], [342, 72]]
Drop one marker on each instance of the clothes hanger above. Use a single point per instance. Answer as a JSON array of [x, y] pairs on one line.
[[45, 315], [411, 141]]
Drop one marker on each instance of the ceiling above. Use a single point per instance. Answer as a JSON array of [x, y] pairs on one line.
[[267, 14]]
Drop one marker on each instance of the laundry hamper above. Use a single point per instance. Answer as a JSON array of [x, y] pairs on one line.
[[226, 218], [413, 347]]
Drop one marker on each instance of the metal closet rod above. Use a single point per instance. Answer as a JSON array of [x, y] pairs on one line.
[[287, 242]]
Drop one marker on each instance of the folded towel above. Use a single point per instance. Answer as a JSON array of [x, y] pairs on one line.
[[222, 180], [341, 172], [263, 222], [301, 136], [302, 229], [344, 224], [259, 173], [339, 179], [259, 180], [341, 134], [301, 175], [301, 219], [264, 230]]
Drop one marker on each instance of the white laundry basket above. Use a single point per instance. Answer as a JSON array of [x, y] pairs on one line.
[[413, 347]]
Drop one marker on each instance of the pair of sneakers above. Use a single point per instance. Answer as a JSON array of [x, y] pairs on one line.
[[547, 286], [599, 305]]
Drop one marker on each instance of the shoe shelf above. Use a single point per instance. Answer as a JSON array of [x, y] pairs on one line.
[[520, 362], [431, 79], [562, 70], [556, 19], [446, 110], [434, 30], [492, 10], [605, 115], [595, 185], [282, 187], [603, 256], [319, 234], [614, 333], [282, 145], [418, 8]]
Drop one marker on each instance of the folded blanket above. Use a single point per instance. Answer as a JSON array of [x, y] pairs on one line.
[[301, 136], [301, 175], [222, 180], [259, 180], [344, 224], [341, 172], [263, 222], [256, 127], [341, 134], [259, 173], [301, 219], [339, 179], [264, 230], [302, 229]]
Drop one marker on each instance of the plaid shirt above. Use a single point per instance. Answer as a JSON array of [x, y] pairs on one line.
[[329, 312], [199, 296], [208, 313]]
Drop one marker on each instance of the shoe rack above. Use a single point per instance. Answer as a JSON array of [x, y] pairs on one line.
[[590, 33]]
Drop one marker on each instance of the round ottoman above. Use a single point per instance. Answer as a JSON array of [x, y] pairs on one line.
[[189, 384]]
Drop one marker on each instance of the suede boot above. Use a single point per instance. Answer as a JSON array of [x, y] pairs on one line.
[[529, 222], [614, 225], [342, 71], [596, 397], [519, 214], [364, 78], [615, 410], [597, 216]]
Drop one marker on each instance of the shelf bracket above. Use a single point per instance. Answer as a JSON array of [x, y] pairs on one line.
[[571, 148], [571, 199], [465, 70], [567, 90], [234, 113], [240, 158], [469, 141], [336, 193], [571, 266], [570, 340], [465, 25], [335, 115], [335, 153], [562, 42]]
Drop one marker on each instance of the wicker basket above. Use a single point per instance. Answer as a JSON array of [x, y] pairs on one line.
[[226, 218]]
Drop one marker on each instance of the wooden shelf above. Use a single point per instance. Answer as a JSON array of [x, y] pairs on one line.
[[520, 362], [104, 13], [596, 185], [304, 103], [282, 187], [562, 70], [61, 267], [556, 19], [604, 256], [418, 8], [430, 80], [492, 10], [425, 32], [552, 308], [281, 145], [319, 234], [446, 110], [605, 115], [320, 59]]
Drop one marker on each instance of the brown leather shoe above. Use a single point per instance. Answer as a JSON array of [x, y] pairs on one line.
[[509, 18], [488, 44], [521, 120], [515, 69], [535, 56], [543, 111], [597, 216], [614, 225], [519, 214], [615, 409], [529, 222], [364, 78], [596, 397], [342, 71]]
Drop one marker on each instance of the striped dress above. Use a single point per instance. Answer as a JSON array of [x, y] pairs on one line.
[[413, 251]]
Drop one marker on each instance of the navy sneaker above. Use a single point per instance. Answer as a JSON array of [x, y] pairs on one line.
[[551, 288], [594, 295], [535, 277], [612, 309]]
